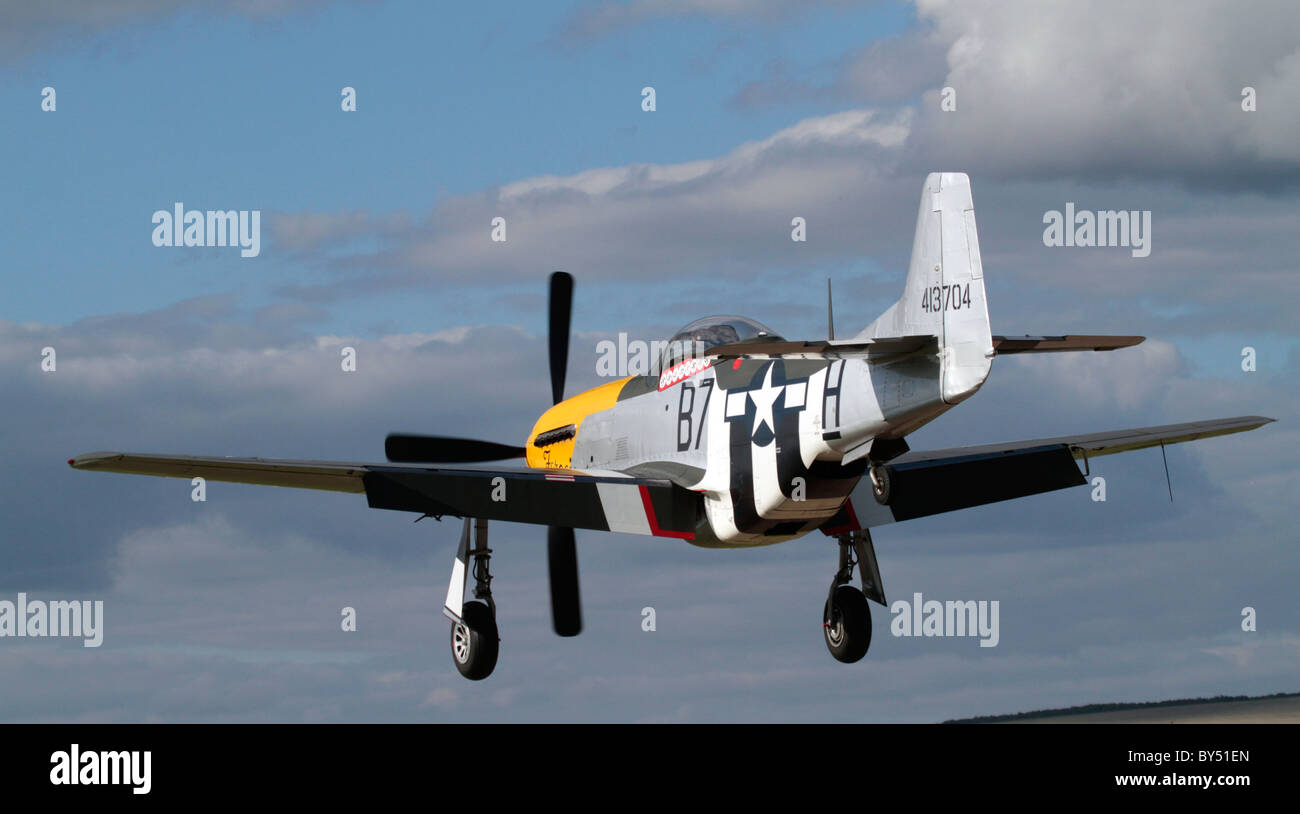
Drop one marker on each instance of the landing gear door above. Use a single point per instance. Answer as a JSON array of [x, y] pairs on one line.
[[872, 587], [459, 573]]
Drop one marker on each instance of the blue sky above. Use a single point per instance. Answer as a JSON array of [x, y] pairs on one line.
[[223, 110], [375, 233]]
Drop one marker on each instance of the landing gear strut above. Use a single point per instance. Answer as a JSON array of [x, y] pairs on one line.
[[881, 474], [846, 618], [474, 640]]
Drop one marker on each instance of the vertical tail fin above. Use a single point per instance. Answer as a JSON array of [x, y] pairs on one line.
[[944, 293]]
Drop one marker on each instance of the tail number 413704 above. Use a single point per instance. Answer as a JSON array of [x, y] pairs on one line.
[[941, 298]]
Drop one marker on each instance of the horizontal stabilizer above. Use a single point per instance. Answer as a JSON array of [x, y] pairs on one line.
[[1057, 344], [826, 348]]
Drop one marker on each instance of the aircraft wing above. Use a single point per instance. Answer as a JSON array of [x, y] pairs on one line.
[[944, 480], [605, 501]]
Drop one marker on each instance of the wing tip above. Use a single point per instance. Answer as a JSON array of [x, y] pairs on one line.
[[87, 458]]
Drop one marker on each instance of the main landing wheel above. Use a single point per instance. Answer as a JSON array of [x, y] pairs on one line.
[[846, 621], [882, 483], [474, 642]]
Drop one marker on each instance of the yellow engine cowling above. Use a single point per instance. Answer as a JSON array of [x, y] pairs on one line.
[[568, 413]]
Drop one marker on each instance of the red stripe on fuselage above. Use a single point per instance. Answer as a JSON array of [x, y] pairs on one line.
[[654, 521]]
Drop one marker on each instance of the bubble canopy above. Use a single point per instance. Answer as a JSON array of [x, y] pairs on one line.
[[709, 332]]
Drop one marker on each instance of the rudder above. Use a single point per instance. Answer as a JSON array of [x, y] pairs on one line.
[[944, 292]]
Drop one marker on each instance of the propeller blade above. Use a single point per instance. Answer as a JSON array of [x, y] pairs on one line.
[[562, 560], [561, 308], [405, 448]]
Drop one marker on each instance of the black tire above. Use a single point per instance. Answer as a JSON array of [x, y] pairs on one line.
[[882, 483], [474, 641], [846, 622]]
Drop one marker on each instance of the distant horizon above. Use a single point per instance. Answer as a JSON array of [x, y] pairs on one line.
[[1118, 706]]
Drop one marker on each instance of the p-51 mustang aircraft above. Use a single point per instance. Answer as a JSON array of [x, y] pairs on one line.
[[742, 439]]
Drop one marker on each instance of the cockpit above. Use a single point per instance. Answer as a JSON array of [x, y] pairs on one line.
[[709, 332]]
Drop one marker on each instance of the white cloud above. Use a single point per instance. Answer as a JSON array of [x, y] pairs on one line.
[[721, 215], [1128, 88]]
